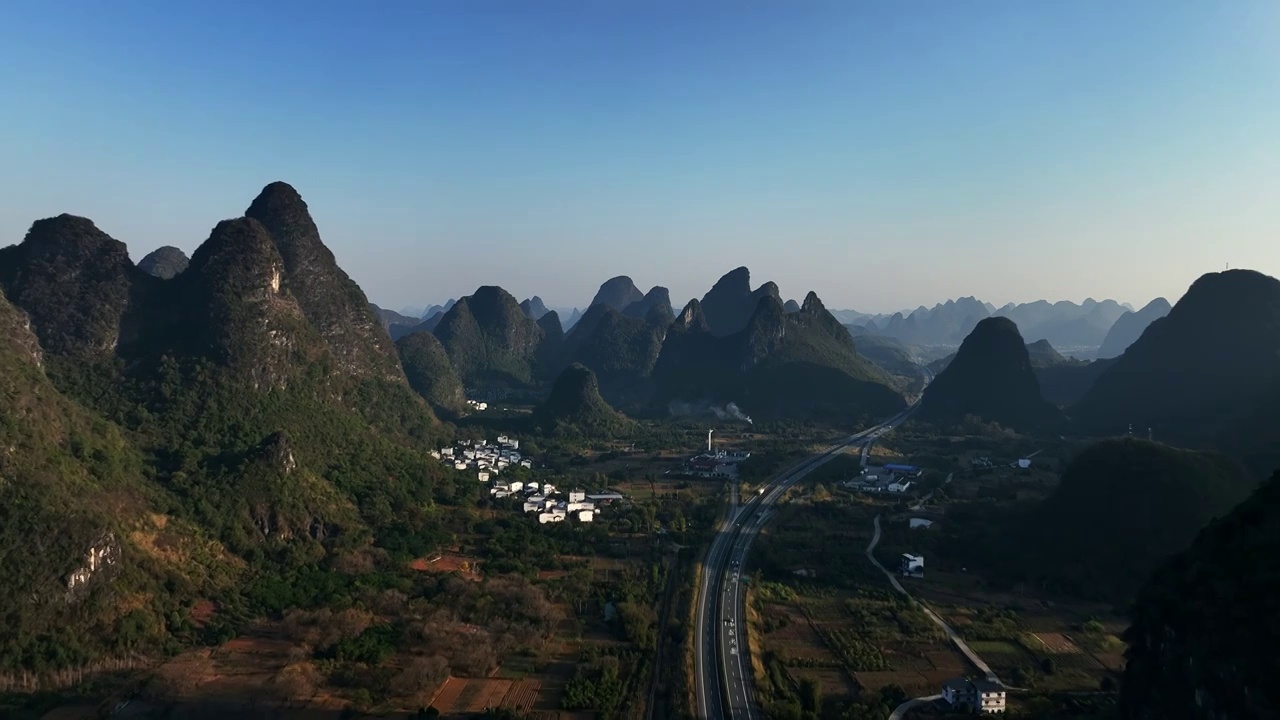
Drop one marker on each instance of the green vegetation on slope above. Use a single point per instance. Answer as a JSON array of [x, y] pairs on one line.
[[576, 408], [490, 340], [1123, 506], [240, 453], [430, 373], [1200, 646]]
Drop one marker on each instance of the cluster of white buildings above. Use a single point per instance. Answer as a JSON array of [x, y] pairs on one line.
[[488, 460], [550, 508], [477, 405]]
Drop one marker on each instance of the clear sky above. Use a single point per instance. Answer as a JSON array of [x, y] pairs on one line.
[[885, 154]]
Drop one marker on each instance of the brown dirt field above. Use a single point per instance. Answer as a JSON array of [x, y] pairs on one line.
[[522, 695], [202, 612], [1057, 643], [448, 694], [915, 683], [834, 683], [482, 694], [448, 562], [798, 639]]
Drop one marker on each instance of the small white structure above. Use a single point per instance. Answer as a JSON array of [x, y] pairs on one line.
[[918, 523], [515, 486], [550, 517], [586, 515], [526, 464], [482, 476], [446, 452], [460, 465], [577, 496], [912, 565], [898, 485], [1024, 463], [503, 439]]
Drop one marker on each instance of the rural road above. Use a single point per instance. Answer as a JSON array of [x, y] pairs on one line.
[[937, 619], [722, 662], [902, 709]]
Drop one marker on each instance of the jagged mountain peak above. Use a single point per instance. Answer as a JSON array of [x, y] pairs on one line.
[[331, 300], [533, 307], [691, 318], [617, 293], [812, 304], [74, 281], [164, 262], [655, 305]]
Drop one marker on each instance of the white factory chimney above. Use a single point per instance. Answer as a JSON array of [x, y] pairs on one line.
[[709, 440]]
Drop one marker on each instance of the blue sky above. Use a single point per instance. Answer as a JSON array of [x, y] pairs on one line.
[[885, 154]]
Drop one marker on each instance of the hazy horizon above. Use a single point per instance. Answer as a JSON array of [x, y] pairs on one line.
[[883, 156]]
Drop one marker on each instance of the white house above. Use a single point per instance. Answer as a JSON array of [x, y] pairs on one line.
[[503, 439], [586, 515], [577, 496], [460, 465], [898, 485], [446, 452], [548, 488], [499, 493], [549, 517], [583, 505], [535, 503], [912, 565], [482, 476], [974, 696], [515, 486], [526, 464]]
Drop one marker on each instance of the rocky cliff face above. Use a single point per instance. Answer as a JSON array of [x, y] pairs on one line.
[[237, 310], [76, 283], [330, 300]]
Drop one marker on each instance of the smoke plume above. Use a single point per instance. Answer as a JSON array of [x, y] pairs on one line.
[[731, 411]]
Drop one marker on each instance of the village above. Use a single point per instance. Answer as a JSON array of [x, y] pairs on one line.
[[489, 460]]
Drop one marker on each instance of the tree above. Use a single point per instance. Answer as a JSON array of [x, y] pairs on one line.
[[811, 694]]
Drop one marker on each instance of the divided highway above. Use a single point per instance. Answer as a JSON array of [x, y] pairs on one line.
[[722, 660]]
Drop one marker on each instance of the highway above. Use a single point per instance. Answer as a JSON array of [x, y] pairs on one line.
[[722, 660]]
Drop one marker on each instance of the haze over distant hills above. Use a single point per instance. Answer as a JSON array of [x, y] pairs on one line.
[[1129, 326]]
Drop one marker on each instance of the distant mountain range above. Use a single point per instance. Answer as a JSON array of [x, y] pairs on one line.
[[1086, 330], [1077, 329]]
